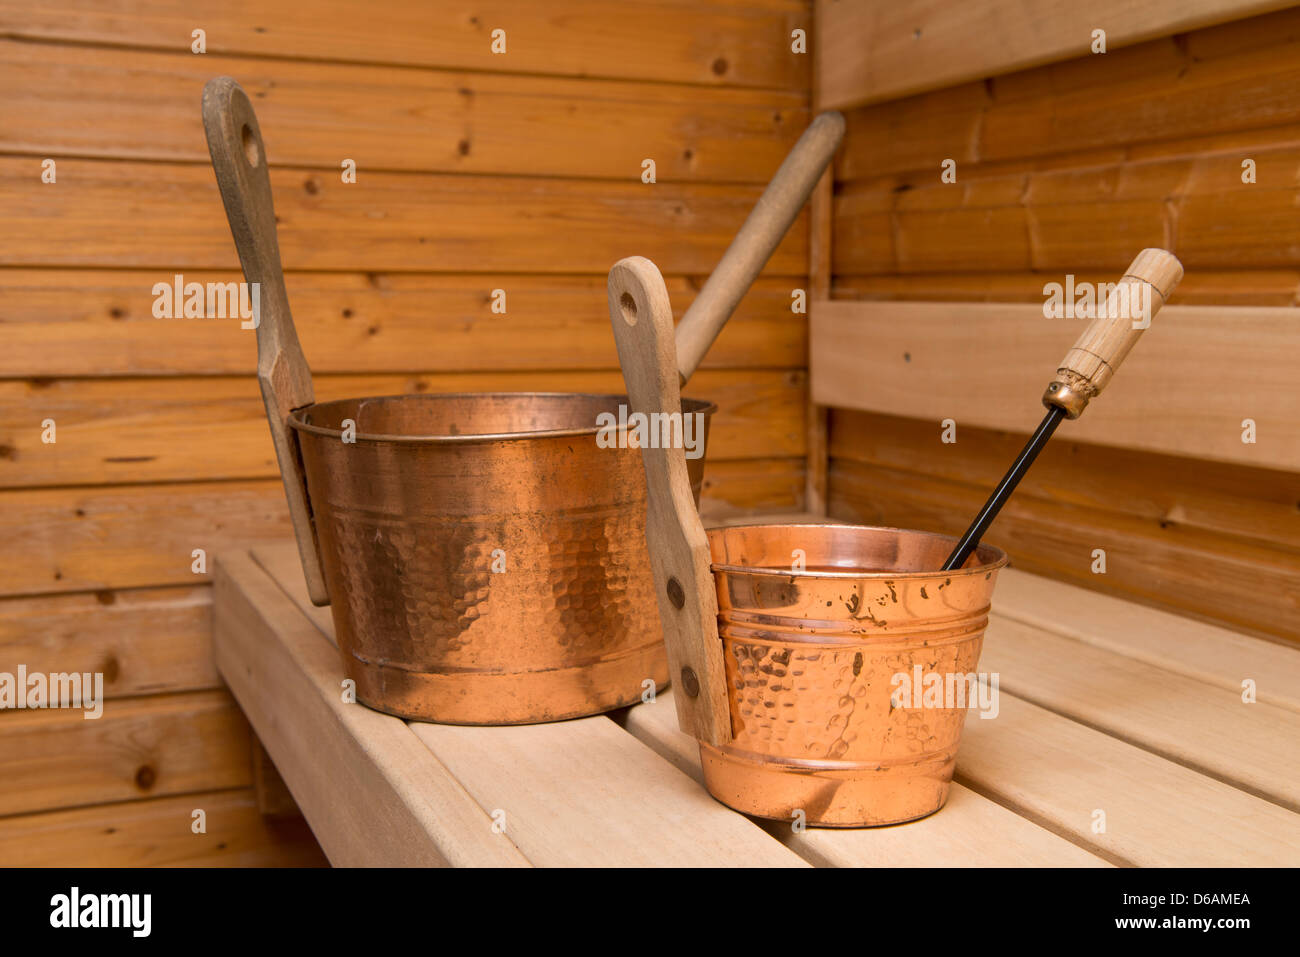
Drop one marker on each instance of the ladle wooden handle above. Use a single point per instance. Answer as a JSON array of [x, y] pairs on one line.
[[239, 159], [678, 548], [1127, 312], [758, 238]]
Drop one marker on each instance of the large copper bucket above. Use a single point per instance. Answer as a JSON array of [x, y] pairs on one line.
[[483, 554], [794, 648], [850, 665]]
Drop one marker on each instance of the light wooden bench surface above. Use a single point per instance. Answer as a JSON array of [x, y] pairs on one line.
[[1121, 738]]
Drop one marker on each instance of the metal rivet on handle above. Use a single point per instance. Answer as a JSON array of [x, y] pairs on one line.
[[690, 682], [676, 594]]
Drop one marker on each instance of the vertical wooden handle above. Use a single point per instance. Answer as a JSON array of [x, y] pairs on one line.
[[1121, 319], [239, 159], [758, 238], [679, 551]]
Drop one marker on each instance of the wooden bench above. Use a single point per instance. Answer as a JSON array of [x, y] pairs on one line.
[[1121, 739]]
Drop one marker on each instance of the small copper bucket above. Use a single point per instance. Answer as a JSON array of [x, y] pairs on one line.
[[793, 647], [825, 631]]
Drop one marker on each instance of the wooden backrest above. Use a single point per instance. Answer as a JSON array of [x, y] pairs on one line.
[[1192, 387], [928, 290]]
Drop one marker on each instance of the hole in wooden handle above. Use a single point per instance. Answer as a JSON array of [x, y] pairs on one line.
[[628, 306], [251, 150]]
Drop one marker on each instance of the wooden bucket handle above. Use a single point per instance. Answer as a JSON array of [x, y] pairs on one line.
[[239, 159], [762, 232], [678, 548]]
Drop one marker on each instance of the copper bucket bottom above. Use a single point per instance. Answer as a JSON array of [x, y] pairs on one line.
[[482, 698], [811, 657], [485, 554], [831, 794]]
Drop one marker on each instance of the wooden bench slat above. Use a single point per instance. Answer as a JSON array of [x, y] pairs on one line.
[[375, 794], [1198, 650], [573, 792], [584, 792], [284, 566], [1201, 725], [970, 830], [1159, 751], [1157, 813]]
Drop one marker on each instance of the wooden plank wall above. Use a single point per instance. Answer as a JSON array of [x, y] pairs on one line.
[[869, 52], [476, 171], [1072, 168]]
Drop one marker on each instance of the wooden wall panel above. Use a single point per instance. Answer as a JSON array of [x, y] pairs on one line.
[[1256, 505], [476, 171], [717, 42], [138, 747], [180, 429], [130, 536], [1063, 220], [143, 641], [78, 322], [120, 103], [1242, 287], [158, 833], [1184, 572], [1188, 535], [136, 536], [1086, 124], [169, 217], [1071, 168], [876, 51], [752, 486]]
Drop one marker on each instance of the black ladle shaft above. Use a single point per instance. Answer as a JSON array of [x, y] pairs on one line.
[[1085, 370], [984, 519]]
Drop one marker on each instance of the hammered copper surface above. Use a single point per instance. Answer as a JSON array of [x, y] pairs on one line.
[[811, 657], [485, 556]]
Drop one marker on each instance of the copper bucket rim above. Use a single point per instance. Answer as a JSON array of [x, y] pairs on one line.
[[999, 558], [296, 422]]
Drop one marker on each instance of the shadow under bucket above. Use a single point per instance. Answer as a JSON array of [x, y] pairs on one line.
[[825, 631]]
